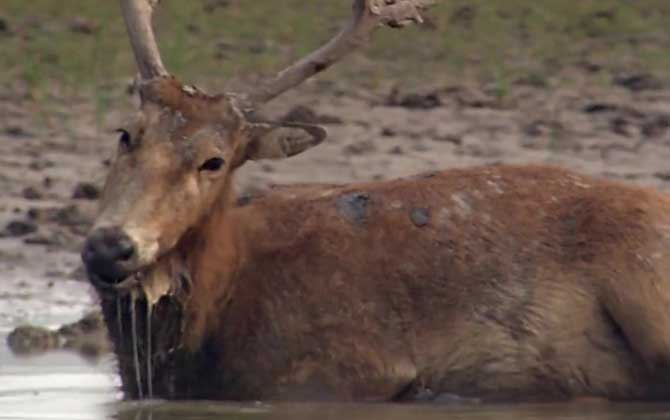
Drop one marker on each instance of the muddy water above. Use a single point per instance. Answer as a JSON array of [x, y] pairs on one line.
[[56, 385], [63, 385]]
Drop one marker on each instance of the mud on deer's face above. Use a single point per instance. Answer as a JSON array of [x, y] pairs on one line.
[[173, 164]]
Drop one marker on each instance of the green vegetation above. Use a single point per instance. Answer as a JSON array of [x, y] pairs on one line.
[[493, 41]]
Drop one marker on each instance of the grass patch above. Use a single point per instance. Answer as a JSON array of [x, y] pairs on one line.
[[492, 41]]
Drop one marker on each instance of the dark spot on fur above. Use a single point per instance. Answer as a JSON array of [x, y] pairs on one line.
[[353, 207], [420, 217], [244, 199], [319, 67]]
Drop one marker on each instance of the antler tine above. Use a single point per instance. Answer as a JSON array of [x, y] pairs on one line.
[[367, 16], [137, 15]]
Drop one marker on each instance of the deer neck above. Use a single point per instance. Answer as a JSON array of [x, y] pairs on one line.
[[212, 257]]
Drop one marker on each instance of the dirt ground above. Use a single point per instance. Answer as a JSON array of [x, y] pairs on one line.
[[51, 172]]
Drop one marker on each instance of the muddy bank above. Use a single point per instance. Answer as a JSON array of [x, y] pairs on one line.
[[87, 337]]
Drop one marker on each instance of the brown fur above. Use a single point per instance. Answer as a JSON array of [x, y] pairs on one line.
[[502, 283]]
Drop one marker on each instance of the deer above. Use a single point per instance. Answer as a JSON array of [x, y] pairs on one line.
[[492, 283]]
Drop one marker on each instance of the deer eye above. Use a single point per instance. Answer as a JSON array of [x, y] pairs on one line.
[[124, 138], [213, 164]]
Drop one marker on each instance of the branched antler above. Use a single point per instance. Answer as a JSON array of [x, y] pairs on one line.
[[367, 16]]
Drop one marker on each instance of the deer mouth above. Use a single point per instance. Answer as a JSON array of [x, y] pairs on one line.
[[116, 283], [167, 276]]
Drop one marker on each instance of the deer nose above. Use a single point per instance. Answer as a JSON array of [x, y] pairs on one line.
[[105, 251]]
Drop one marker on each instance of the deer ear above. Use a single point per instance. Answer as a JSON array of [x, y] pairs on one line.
[[281, 140]]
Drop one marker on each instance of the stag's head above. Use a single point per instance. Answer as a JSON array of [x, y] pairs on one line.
[[176, 158]]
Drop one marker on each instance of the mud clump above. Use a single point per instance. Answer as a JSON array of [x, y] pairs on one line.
[[31, 193], [86, 191], [18, 228], [353, 207], [27, 340], [17, 131], [359, 148], [420, 217], [418, 101], [306, 115], [87, 337], [70, 217], [638, 82], [656, 126]]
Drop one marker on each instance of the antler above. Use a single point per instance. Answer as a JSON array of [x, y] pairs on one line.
[[137, 15], [367, 16]]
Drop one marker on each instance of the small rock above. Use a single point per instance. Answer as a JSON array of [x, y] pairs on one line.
[[18, 228], [86, 191], [31, 193]]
